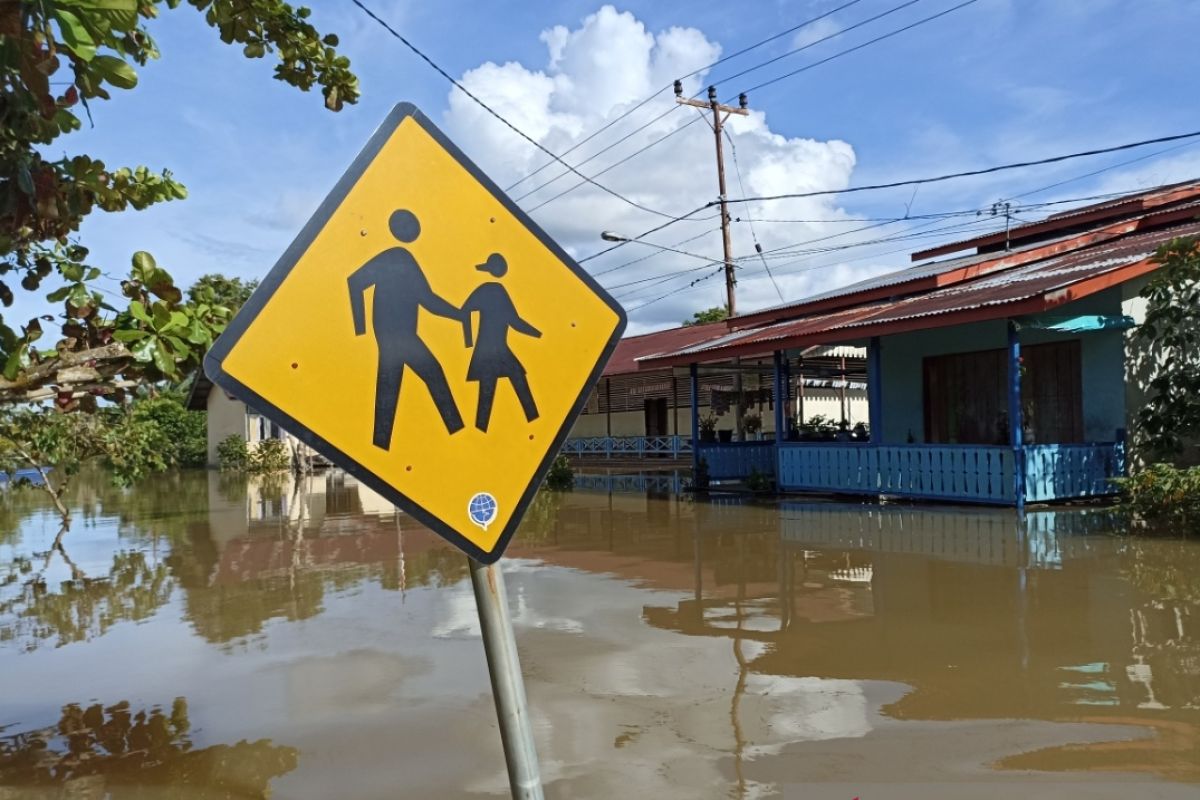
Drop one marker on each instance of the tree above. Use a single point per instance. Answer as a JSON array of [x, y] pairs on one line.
[[1171, 337], [714, 314], [216, 289], [57, 57]]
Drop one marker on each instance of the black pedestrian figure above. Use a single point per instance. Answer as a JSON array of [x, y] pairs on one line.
[[400, 290], [492, 359]]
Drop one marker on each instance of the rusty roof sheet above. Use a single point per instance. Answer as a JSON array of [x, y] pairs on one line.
[[1133, 204], [1039, 279], [625, 357]]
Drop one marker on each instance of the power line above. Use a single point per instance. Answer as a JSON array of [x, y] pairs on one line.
[[694, 72], [1105, 169], [867, 43], [396, 34], [671, 133], [753, 234], [966, 174], [639, 129], [816, 42]]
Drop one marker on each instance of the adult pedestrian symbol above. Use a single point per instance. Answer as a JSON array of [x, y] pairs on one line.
[[425, 335]]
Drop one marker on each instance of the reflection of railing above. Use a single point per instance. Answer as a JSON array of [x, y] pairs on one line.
[[18, 476], [649, 483], [639, 446], [944, 472], [1061, 471], [736, 460]]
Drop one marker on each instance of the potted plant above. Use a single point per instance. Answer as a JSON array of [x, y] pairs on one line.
[[752, 423], [708, 427]]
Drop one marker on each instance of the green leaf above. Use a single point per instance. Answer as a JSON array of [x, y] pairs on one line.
[[144, 264], [116, 71], [163, 360], [75, 35], [129, 335], [139, 312]]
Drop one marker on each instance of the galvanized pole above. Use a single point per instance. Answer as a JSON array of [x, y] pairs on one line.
[[508, 689]]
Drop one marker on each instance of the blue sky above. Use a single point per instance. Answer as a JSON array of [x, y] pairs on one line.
[[994, 82]]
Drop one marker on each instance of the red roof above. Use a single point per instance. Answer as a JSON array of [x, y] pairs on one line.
[[1008, 286], [1065, 220], [625, 358]]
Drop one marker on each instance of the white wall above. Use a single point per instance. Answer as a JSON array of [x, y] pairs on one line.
[[226, 417]]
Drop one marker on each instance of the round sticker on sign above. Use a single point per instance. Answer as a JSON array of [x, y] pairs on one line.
[[482, 509]]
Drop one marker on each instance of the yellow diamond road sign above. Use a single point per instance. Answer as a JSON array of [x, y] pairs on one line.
[[425, 335]]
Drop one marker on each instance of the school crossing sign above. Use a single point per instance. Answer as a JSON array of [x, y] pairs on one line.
[[425, 335]]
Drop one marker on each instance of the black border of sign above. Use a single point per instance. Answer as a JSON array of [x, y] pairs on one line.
[[250, 311]]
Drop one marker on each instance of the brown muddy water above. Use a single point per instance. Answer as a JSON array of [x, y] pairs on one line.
[[200, 638]]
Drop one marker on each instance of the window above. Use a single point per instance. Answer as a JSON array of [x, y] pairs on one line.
[[966, 397]]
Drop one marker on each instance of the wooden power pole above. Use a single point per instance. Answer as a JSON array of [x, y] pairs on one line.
[[718, 122]]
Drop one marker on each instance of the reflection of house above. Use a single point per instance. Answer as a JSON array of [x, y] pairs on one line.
[[228, 416], [1001, 375]]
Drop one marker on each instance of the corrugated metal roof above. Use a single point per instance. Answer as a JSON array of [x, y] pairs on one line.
[[1037, 280], [631, 348], [1135, 203]]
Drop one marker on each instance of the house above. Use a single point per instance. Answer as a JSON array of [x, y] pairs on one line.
[[228, 416], [637, 411], [1003, 374]]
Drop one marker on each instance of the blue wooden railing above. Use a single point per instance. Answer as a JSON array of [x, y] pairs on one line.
[[609, 446], [976, 473], [660, 483], [736, 460], [1066, 471]]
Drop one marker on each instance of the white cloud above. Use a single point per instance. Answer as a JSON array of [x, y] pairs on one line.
[[810, 34], [595, 73]]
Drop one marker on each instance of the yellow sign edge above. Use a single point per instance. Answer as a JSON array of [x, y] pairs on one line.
[[249, 313]]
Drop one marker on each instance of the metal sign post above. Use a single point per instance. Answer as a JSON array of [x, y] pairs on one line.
[[508, 689]]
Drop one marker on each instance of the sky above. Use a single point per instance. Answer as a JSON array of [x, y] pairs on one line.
[[993, 82]]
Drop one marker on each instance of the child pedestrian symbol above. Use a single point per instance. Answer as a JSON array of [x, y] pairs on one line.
[[492, 358]]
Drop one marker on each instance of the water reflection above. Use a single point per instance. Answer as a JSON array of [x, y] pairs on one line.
[[672, 648], [116, 751]]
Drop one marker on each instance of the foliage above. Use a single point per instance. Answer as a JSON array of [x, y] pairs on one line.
[[218, 290], [759, 481], [1164, 492], [120, 751], [714, 314], [184, 433], [266, 457], [82, 607], [561, 477], [819, 423], [708, 422], [269, 456], [752, 421], [232, 453], [1171, 335], [54, 58]]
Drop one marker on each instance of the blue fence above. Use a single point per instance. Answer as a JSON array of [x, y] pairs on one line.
[[1066, 471], [656, 483], [968, 473], [637, 446], [736, 460], [945, 472]]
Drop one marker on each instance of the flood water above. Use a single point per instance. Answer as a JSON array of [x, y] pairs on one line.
[[199, 637]]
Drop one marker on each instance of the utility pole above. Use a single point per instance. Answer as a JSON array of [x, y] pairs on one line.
[[717, 125], [718, 122]]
